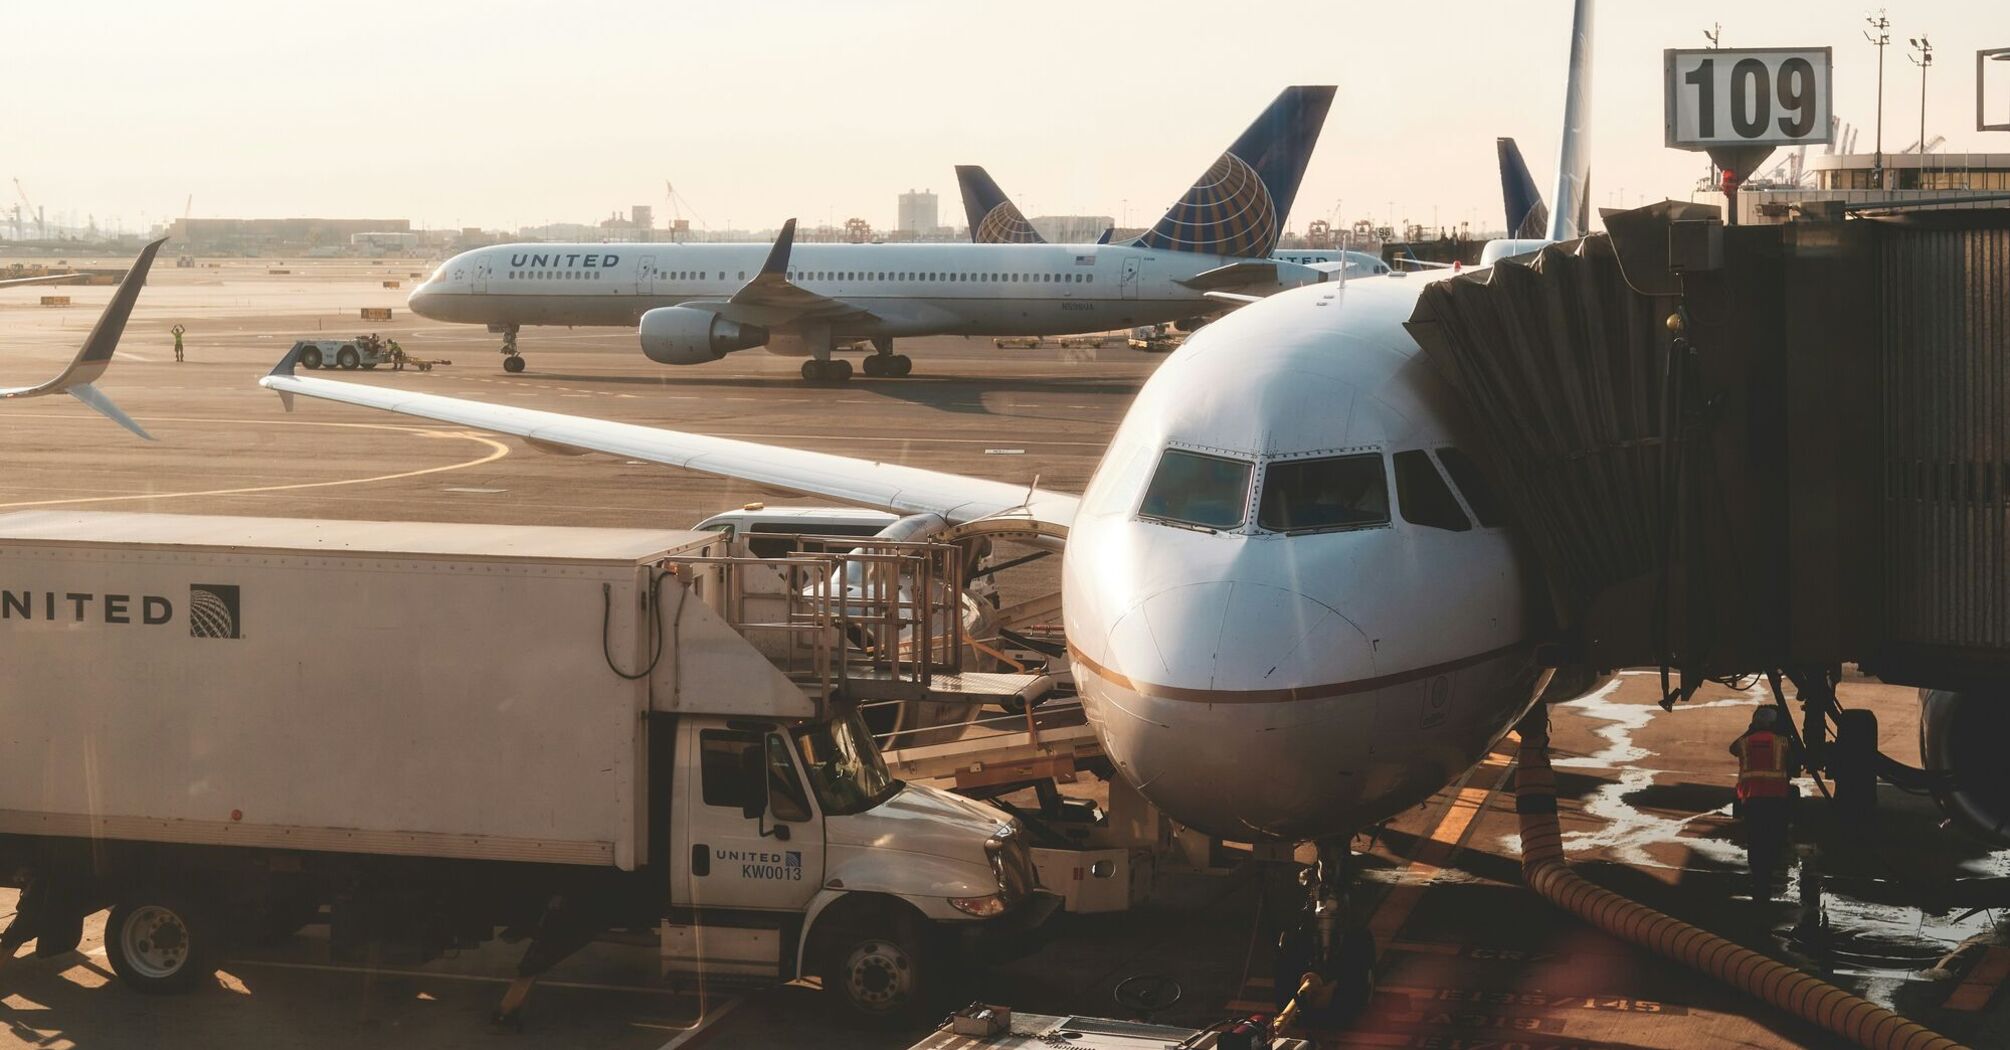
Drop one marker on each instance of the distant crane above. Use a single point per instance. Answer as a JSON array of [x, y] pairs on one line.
[[678, 206], [41, 220]]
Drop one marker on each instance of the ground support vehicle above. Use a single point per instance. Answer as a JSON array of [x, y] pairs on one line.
[[216, 728], [364, 351]]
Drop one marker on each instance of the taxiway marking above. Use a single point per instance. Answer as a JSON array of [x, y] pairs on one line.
[[497, 450], [1453, 829]]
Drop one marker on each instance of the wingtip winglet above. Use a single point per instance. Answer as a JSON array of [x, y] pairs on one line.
[[286, 364]]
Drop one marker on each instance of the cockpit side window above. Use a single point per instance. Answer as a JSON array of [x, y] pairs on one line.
[[1424, 497], [1480, 496], [1308, 495], [1190, 488]]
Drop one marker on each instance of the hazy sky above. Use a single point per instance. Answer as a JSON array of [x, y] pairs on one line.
[[501, 113]]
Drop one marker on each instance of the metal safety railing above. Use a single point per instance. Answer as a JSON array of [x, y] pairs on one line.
[[844, 615]]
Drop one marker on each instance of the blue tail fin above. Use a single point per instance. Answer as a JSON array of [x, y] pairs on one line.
[[1238, 206], [994, 219], [1527, 216]]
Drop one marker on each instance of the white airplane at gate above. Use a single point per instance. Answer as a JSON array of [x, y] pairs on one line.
[[1291, 605], [695, 303]]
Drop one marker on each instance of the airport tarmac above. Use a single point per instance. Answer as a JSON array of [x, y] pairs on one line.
[[1469, 960]]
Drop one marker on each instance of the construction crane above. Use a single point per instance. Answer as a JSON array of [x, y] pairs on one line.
[[678, 206], [41, 221]]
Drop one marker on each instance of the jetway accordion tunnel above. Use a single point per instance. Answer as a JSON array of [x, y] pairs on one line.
[[1733, 449]]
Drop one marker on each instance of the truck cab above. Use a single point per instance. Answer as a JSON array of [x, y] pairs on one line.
[[796, 853]]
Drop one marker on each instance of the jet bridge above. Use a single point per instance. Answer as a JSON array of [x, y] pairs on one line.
[[1744, 449]]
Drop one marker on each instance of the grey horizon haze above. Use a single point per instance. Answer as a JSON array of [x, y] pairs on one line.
[[508, 113]]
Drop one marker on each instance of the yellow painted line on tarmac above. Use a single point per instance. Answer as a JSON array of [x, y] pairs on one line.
[[1454, 828], [1974, 993], [497, 450]]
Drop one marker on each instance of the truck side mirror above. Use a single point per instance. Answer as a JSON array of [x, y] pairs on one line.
[[753, 784]]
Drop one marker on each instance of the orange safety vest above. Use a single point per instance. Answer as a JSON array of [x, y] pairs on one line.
[[1762, 766]]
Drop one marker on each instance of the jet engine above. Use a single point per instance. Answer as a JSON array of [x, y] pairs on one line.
[[684, 335], [1961, 737]]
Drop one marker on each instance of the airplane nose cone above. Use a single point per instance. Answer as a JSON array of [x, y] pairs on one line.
[[1234, 707], [421, 300]]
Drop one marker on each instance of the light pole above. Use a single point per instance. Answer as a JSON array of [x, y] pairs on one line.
[[1881, 38], [1924, 61]]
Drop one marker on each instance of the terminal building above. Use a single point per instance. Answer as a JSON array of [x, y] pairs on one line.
[[263, 236], [1911, 179]]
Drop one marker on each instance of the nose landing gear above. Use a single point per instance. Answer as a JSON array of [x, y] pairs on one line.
[[1325, 963]]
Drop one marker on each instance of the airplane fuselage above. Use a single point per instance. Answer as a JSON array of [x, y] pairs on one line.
[[904, 289], [1269, 667]]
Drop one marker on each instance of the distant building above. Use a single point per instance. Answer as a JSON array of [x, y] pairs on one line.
[[1071, 229], [264, 236], [920, 214], [1851, 178], [378, 241]]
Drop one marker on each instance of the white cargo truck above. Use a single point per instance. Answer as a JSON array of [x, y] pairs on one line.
[[423, 734]]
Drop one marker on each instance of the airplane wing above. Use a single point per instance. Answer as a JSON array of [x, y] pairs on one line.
[[96, 354], [888, 486], [44, 279], [771, 300]]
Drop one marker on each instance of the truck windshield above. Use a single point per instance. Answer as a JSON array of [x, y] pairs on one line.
[[844, 766]]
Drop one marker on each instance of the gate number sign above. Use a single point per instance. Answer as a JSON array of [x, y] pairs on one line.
[[1747, 96]]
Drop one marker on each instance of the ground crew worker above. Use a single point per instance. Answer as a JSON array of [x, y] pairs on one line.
[[1767, 763], [177, 330]]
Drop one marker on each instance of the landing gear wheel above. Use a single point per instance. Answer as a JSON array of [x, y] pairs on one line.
[[160, 942], [900, 366], [311, 357], [513, 364], [835, 370], [874, 366]]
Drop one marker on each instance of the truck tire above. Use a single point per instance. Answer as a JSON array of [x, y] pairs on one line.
[[882, 971], [347, 358], [161, 942], [311, 357]]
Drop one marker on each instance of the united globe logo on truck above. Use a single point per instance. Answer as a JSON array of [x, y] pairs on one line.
[[213, 608]]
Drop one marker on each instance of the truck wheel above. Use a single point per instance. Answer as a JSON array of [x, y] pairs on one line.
[[347, 357], [371, 365], [311, 357], [882, 974], [160, 942]]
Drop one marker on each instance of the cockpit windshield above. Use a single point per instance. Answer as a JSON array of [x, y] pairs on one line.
[[1189, 488], [1307, 495]]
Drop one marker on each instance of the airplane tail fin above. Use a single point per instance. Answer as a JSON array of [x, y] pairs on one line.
[[1527, 215], [1570, 205], [1238, 206], [993, 218]]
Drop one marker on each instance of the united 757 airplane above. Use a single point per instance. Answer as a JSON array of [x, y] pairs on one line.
[[696, 303]]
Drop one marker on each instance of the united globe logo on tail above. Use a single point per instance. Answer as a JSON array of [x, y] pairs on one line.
[[212, 610], [1005, 225]]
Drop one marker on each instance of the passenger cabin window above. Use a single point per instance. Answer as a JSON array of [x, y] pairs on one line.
[[722, 754], [1208, 492], [1480, 496], [1317, 495], [1424, 497]]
